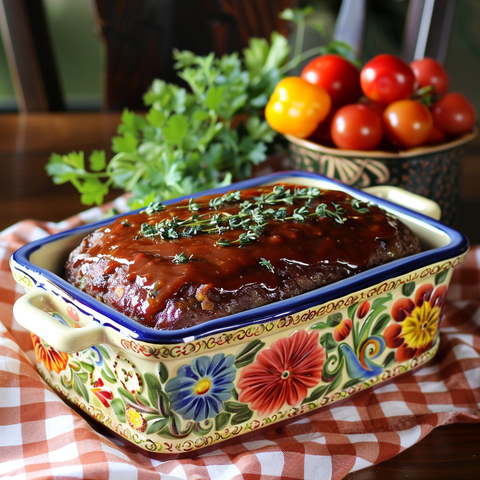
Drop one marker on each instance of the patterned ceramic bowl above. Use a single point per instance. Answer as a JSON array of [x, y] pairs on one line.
[[432, 172], [179, 392]]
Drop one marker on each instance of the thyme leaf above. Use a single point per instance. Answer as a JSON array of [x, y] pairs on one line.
[[252, 216]]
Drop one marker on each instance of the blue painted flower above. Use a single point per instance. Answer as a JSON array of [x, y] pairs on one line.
[[199, 389]]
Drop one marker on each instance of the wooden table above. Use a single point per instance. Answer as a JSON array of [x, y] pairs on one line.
[[26, 142]]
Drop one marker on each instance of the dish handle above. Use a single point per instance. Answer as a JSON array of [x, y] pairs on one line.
[[30, 315], [407, 199]]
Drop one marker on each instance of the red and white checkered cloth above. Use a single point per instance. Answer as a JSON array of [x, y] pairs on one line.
[[41, 437]]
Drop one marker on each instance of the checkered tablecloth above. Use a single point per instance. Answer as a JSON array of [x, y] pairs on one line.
[[41, 437]]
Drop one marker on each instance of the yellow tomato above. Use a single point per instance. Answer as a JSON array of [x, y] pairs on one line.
[[297, 107]]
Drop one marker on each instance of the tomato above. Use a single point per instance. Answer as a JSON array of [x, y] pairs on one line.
[[296, 107], [356, 127], [436, 136], [407, 123], [430, 72], [338, 76], [321, 134], [386, 79], [454, 114]]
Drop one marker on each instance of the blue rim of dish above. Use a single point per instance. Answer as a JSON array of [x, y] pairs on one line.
[[458, 245]]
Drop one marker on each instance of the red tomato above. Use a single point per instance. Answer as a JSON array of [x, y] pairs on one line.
[[356, 127], [339, 77], [386, 79], [454, 114], [429, 72], [436, 136], [321, 135], [407, 123]]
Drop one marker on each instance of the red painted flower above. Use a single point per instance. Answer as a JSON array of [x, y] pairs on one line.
[[342, 330], [363, 309], [283, 373], [105, 396], [49, 356], [418, 322]]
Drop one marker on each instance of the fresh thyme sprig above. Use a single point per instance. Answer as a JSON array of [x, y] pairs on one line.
[[252, 216]]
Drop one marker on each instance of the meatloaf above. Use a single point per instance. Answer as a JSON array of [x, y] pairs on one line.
[[175, 266]]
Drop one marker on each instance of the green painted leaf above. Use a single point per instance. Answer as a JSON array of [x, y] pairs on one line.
[[119, 409], [336, 382], [408, 288], [389, 360], [441, 277], [381, 323], [153, 386], [88, 366], [352, 382], [157, 425], [83, 376], [381, 301], [328, 342], [68, 386], [351, 310], [242, 416], [80, 387], [247, 355], [126, 395], [163, 403], [234, 407], [104, 351], [162, 372], [221, 420], [316, 394], [108, 375], [334, 319], [319, 326], [143, 400]]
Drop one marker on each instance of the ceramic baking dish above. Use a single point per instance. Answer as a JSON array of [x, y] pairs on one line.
[[178, 392]]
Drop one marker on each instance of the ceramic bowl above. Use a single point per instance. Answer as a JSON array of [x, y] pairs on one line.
[[178, 393], [432, 172]]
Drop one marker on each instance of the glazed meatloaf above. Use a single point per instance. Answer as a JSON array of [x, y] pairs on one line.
[[172, 267]]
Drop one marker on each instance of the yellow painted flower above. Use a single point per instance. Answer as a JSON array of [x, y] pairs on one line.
[[135, 419], [420, 327], [417, 320], [49, 356]]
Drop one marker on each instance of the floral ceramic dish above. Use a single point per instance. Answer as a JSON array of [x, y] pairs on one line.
[[178, 392]]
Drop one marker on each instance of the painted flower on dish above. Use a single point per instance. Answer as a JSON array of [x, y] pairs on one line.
[[49, 356], [105, 396], [418, 321], [135, 419], [342, 330], [363, 309], [283, 373], [199, 389]]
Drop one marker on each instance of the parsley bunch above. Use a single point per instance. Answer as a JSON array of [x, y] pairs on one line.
[[190, 139], [193, 138]]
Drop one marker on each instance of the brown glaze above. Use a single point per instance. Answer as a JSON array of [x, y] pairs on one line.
[[147, 275]]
